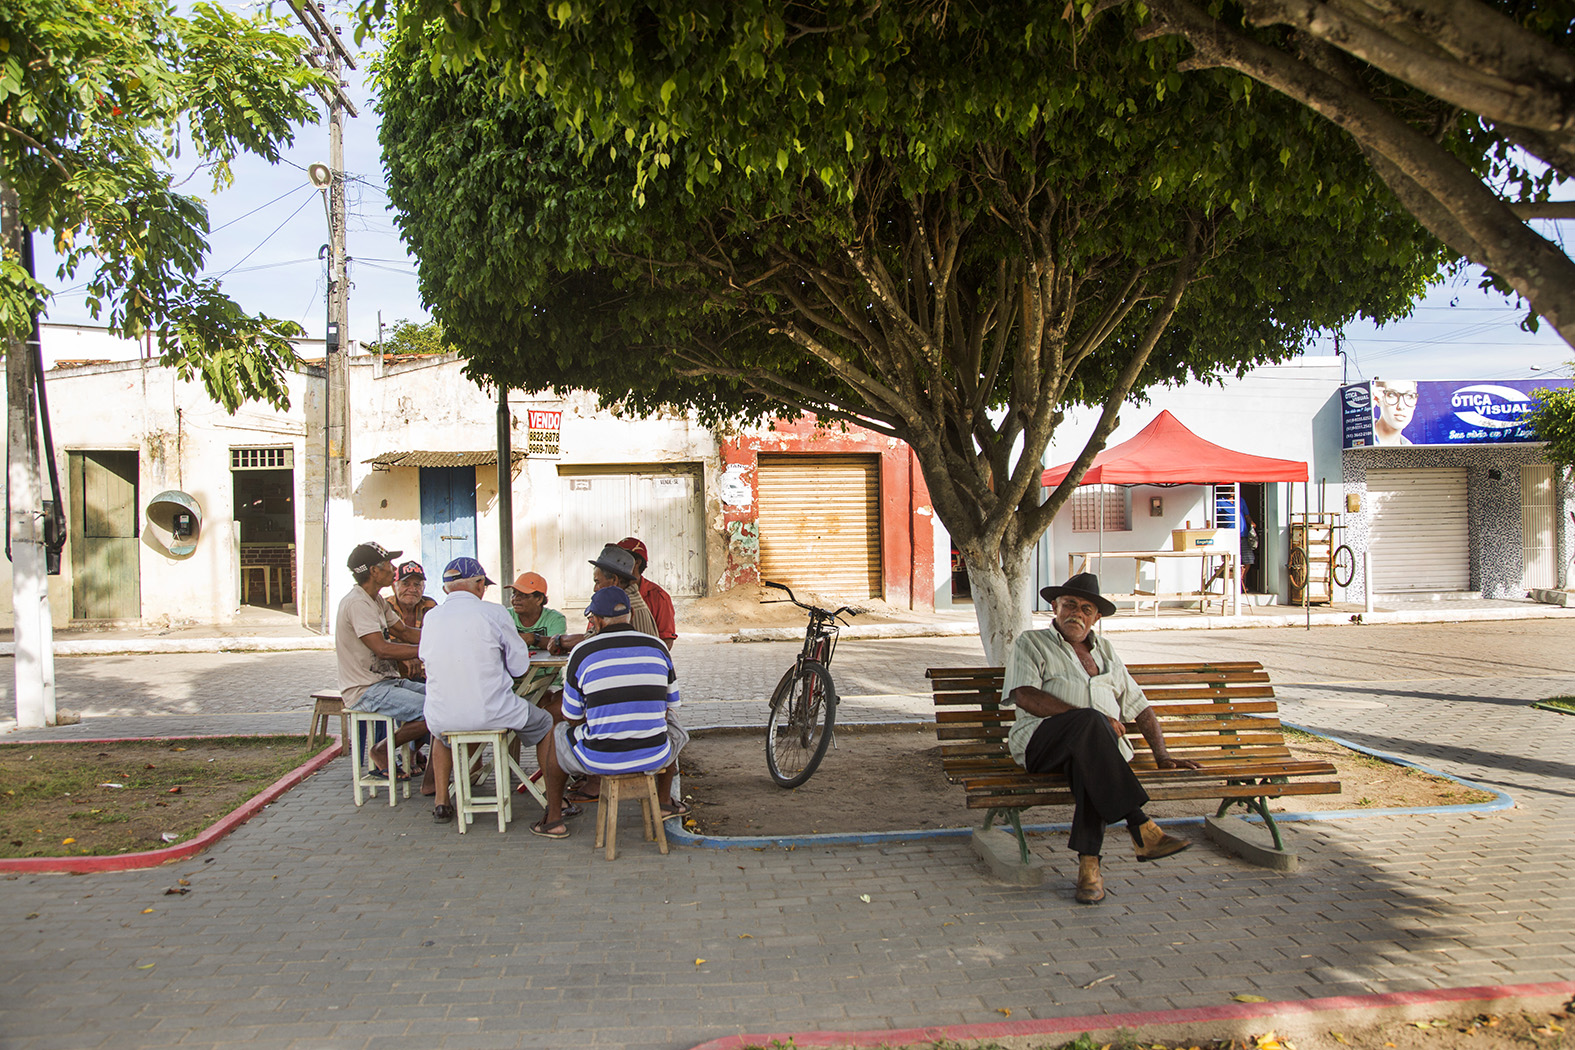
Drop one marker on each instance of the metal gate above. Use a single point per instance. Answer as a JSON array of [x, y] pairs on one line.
[[819, 523], [1420, 533], [660, 505], [105, 561], [1538, 544]]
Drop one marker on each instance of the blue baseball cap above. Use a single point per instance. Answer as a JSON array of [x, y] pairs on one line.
[[608, 602], [465, 569]]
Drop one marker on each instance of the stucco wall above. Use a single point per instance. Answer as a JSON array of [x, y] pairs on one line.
[[907, 542], [428, 405], [183, 441]]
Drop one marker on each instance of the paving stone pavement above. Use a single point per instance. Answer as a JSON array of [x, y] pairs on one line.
[[320, 925]]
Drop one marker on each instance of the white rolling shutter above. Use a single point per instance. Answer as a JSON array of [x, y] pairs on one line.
[[1420, 532], [819, 523]]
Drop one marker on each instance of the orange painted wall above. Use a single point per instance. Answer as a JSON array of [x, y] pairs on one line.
[[907, 539]]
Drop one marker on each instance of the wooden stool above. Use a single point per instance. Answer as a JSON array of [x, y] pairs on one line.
[[328, 703], [364, 781], [501, 801], [246, 583], [650, 809]]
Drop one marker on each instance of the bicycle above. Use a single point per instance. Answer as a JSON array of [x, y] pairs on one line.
[[804, 703]]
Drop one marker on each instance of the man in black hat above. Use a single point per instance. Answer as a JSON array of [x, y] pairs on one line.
[[368, 638], [613, 567], [1073, 695]]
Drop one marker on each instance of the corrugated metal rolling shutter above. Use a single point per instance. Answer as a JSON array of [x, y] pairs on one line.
[[820, 523], [1420, 538]]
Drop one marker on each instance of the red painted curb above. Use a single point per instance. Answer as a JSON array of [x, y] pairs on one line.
[[1106, 1022], [154, 857]]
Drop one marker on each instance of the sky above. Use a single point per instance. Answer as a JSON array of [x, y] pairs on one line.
[[266, 232]]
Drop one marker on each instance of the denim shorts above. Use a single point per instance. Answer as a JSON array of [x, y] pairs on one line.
[[400, 698]]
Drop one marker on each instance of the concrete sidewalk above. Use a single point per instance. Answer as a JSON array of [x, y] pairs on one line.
[[269, 630], [319, 925]]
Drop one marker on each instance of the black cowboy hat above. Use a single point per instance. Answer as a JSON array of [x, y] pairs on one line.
[[1083, 585]]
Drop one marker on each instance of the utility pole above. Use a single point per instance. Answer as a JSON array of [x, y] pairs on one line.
[[331, 55], [505, 493]]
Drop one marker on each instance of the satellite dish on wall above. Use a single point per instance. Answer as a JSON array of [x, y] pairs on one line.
[[177, 515]]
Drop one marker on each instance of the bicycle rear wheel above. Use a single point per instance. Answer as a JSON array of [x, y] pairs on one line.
[[1344, 565], [803, 711]]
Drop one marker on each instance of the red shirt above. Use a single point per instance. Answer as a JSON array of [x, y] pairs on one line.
[[661, 604]]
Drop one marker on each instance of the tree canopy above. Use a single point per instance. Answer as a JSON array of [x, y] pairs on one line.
[[946, 231], [409, 337], [96, 97]]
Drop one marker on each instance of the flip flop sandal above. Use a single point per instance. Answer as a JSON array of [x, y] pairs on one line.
[[677, 809], [382, 774], [542, 828], [576, 795], [571, 810], [442, 813]]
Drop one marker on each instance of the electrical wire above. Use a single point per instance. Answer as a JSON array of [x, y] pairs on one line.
[[265, 240]]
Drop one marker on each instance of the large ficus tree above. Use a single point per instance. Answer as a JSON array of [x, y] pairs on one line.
[[945, 228], [96, 99]]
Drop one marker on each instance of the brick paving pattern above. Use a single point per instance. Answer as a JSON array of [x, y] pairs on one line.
[[319, 925]]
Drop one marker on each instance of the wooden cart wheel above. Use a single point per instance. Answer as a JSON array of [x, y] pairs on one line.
[[1344, 565], [1298, 567]]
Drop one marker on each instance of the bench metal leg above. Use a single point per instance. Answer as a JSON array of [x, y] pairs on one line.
[[1259, 804], [1015, 818]]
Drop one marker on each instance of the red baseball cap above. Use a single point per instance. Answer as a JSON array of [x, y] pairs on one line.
[[636, 548]]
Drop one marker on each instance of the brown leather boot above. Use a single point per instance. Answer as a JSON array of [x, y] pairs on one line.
[[1090, 884], [1152, 843]]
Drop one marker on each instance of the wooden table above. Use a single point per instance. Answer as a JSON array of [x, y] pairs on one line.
[[1205, 595]]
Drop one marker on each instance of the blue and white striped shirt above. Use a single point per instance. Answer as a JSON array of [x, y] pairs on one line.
[[622, 683]]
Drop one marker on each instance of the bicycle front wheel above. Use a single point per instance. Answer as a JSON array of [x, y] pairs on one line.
[[803, 710], [1344, 565]]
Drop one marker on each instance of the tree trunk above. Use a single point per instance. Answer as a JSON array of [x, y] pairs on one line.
[[28, 583], [1002, 587]]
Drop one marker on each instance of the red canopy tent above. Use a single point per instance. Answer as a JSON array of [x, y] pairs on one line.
[[1167, 453]]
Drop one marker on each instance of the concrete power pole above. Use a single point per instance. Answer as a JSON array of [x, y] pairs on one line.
[[331, 55]]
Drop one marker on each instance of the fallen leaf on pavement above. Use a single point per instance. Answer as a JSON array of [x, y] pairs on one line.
[[699, 962], [147, 911], [1244, 998], [1004, 1011], [176, 891], [175, 790]]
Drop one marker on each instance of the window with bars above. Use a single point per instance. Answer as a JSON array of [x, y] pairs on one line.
[[1090, 500], [262, 458]]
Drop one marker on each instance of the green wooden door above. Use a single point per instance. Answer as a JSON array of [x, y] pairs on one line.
[[105, 582]]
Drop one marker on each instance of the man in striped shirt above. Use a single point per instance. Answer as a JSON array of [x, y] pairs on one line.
[[619, 692]]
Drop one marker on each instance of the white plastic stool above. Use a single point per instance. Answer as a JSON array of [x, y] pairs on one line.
[[641, 786], [501, 801], [360, 778]]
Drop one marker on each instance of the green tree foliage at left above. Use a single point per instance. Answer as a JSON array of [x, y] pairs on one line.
[[96, 97]]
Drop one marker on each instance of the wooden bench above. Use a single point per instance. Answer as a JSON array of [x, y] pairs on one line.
[[1221, 715]]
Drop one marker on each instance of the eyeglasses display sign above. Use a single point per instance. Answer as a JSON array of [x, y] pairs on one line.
[[1400, 412]]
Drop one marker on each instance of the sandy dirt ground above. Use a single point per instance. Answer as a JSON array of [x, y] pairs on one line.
[[888, 778]]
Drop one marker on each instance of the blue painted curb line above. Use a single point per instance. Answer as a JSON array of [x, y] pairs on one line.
[[1500, 801]]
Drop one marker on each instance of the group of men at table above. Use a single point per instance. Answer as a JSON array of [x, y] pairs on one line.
[[465, 664]]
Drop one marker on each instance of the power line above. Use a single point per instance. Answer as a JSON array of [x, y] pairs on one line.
[[265, 240], [259, 208]]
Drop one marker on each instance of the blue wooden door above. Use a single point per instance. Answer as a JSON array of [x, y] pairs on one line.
[[448, 520]]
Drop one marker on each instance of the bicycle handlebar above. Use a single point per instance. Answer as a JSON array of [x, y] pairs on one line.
[[850, 610]]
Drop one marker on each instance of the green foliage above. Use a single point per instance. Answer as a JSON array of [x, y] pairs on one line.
[[408, 337], [1554, 421], [94, 95]]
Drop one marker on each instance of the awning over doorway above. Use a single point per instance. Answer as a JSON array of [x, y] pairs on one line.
[[1167, 453], [484, 458]]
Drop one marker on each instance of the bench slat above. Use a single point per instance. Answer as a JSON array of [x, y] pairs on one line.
[[1063, 797]]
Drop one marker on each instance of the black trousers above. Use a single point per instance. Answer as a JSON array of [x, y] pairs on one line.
[[1081, 745]]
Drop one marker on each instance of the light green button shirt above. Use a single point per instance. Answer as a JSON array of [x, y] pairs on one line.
[[1046, 661]]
